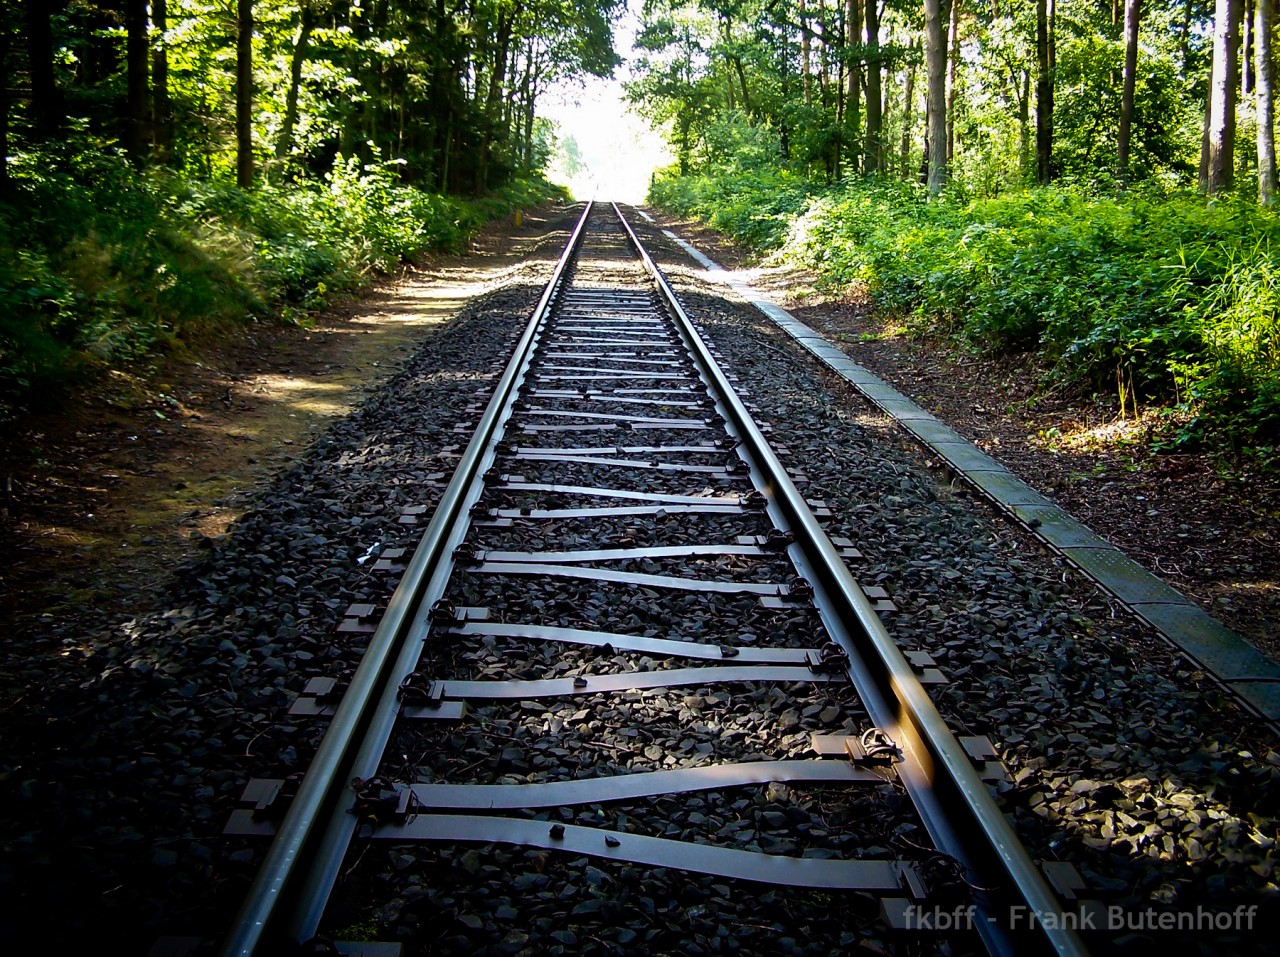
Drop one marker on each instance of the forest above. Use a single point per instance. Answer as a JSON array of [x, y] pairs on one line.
[[171, 170], [1087, 184]]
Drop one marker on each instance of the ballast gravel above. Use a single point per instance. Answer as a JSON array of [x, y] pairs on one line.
[[1125, 759], [129, 743], [126, 744]]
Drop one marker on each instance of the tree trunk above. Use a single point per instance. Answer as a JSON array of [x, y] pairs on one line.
[[493, 99], [1044, 92], [1264, 70], [1246, 50], [46, 99], [1024, 125], [1222, 106], [4, 107], [161, 105], [909, 112], [742, 79], [1184, 37], [853, 37], [953, 58], [841, 68], [137, 136], [806, 55], [874, 152], [1132, 19], [1204, 131], [306, 23], [244, 93], [852, 29], [936, 60]]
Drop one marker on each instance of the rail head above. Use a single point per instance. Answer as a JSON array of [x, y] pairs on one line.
[[985, 841], [274, 902]]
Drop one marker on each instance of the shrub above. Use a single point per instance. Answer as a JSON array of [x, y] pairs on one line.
[[1164, 296], [99, 266]]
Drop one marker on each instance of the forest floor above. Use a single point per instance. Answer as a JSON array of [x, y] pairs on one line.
[[107, 493], [1208, 526]]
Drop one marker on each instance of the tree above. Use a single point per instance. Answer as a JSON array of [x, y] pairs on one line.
[[161, 105], [46, 99], [1264, 71], [1044, 90], [935, 55], [875, 118], [244, 93], [953, 47], [137, 133], [1132, 14], [4, 106], [1222, 101], [306, 23]]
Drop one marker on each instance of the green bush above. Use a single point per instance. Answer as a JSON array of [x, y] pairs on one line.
[[755, 207], [1162, 295], [99, 265]]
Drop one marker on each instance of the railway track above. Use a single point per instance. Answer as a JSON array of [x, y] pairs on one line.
[[621, 560]]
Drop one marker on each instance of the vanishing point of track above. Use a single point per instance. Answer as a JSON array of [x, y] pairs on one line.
[[612, 411]]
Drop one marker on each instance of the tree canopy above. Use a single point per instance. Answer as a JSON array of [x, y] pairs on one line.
[[169, 167], [447, 88], [1022, 91]]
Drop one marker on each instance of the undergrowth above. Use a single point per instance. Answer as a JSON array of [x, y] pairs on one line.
[[101, 266], [1159, 298]]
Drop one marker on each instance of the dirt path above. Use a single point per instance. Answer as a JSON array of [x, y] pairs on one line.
[[107, 494]]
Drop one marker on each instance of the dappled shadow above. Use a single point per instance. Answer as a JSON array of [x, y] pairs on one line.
[[116, 487]]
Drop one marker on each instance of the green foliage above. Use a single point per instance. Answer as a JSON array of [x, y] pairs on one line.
[[99, 267], [1161, 296], [1087, 113], [755, 207]]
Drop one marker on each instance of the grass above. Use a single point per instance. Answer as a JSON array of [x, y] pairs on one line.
[[101, 266]]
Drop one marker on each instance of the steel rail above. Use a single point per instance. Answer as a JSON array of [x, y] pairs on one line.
[[953, 801], [287, 898]]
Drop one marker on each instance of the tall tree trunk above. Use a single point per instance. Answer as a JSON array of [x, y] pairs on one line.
[[874, 151], [1246, 50], [1184, 37], [4, 106], [161, 105], [909, 111], [824, 61], [244, 93], [493, 99], [137, 136], [1204, 130], [1044, 91], [306, 23], [842, 66], [1024, 125], [1264, 69], [852, 29], [46, 99], [1222, 118], [953, 59], [806, 55], [1132, 19], [747, 106], [935, 55], [853, 38]]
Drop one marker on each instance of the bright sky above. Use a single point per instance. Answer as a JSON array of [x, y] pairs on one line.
[[619, 148]]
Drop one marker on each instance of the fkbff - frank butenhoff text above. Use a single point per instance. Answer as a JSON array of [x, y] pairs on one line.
[[1090, 916]]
